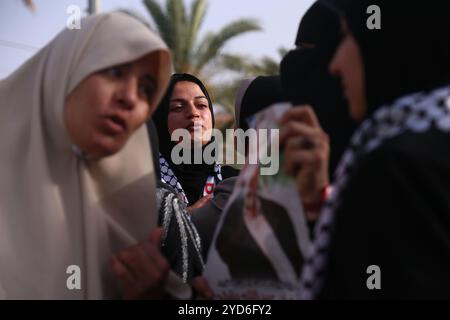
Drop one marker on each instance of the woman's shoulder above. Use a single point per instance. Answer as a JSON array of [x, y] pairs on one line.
[[414, 147], [229, 171], [411, 161]]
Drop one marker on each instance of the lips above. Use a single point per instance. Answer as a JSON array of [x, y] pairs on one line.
[[194, 126], [115, 124]]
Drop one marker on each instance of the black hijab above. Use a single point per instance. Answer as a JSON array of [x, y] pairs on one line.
[[409, 53], [192, 177], [306, 80], [262, 92]]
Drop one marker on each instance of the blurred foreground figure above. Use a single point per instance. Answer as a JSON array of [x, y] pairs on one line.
[[385, 232], [77, 180]]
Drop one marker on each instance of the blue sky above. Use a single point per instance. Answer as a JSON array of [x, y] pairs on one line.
[[22, 32]]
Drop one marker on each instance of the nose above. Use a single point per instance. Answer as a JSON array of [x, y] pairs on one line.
[[333, 67], [192, 111], [127, 94]]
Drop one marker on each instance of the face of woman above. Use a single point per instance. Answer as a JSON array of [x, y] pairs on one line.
[[189, 109], [106, 108], [347, 63]]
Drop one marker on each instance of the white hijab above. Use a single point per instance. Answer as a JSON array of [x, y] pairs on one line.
[[57, 209]]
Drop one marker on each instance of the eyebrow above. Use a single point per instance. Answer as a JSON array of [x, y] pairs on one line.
[[181, 99], [124, 65]]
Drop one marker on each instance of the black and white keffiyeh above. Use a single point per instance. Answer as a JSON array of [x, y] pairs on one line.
[[419, 112], [173, 212], [168, 176]]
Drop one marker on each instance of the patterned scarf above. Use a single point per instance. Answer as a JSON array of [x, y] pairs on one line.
[[171, 211], [167, 176], [417, 113]]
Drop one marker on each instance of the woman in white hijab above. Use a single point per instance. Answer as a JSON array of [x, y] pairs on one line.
[[77, 182]]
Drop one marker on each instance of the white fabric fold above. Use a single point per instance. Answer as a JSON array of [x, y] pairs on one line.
[[56, 208]]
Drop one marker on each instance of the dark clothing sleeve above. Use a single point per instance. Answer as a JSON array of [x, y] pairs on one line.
[[229, 172], [207, 217], [394, 213], [206, 220]]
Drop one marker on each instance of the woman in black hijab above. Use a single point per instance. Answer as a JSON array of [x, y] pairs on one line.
[[253, 96], [190, 109], [259, 93], [385, 233], [306, 80]]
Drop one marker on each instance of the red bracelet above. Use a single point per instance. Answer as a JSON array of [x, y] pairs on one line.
[[317, 206]]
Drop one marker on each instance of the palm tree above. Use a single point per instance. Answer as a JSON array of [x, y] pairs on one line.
[[180, 30], [248, 67], [241, 67]]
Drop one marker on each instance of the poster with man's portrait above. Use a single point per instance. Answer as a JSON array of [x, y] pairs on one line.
[[262, 238]]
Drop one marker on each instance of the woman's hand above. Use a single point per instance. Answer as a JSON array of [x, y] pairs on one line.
[[141, 269], [202, 289], [200, 203], [306, 154]]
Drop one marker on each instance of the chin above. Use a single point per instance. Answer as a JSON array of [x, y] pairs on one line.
[[196, 141], [357, 111], [103, 150]]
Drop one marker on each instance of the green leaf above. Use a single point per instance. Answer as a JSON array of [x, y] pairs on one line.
[[215, 42], [161, 22]]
